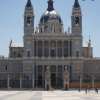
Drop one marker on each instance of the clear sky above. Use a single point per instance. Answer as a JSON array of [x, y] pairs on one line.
[[12, 12]]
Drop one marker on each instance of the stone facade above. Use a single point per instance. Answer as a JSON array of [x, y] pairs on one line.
[[50, 57]]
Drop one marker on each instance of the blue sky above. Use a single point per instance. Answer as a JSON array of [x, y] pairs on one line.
[[12, 12]]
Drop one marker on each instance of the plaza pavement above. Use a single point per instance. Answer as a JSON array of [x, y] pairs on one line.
[[51, 95]]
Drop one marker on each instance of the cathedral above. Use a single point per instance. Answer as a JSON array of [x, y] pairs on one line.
[[50, 58]]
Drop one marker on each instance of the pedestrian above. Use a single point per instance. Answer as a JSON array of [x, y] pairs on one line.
[[47, 87], [96, 90], [79, 89], [86, 90]]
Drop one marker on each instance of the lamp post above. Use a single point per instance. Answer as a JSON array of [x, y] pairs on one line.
[[93, 81], [8, 81], [80, 81], [34, 65]]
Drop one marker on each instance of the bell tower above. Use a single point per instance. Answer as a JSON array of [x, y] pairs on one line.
[[76, 19], [28, 29], [76, 26], [28, 19]]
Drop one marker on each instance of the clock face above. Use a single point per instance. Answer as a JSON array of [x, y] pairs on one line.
[[76, 20]]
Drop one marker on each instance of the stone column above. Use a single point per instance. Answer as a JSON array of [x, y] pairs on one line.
[[8, 81], [49, 49], [20, 81], [43, 48], [80, 82], [71, 48], [68, 48], [43, 76], [66, 78], [34, 63], [92, 81], [62, 49], [33, 76], [36, 48], [56, 50]]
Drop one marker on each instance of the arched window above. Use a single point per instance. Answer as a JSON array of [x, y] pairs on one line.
[[53, 48], [41, 30], [6, 67], [19, 55], [14, 54], [65, 48], [46, 28]]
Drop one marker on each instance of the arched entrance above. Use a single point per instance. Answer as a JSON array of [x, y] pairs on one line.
[[56, 77], [53, 80], [56, 81], [40, 85]]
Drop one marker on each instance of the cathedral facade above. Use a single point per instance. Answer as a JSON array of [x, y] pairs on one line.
[[50, 57]]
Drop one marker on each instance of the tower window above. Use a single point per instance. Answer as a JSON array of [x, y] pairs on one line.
[[28, 54], [77, 53], [76, 20], [28, 20]]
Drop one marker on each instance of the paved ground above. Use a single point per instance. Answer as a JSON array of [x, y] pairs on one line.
[[51, 95]]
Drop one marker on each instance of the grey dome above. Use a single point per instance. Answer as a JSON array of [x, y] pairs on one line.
[[50, 15]]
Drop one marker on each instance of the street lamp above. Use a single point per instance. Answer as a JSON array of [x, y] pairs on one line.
[[93, 80], [80, 79]]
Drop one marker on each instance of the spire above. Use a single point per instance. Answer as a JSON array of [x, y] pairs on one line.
[[29, 4], [50, 5], [76, 4]]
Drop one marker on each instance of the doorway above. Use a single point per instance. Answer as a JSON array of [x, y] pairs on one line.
[[53, 80]]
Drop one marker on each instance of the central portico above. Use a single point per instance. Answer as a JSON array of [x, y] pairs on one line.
[[52, 50]]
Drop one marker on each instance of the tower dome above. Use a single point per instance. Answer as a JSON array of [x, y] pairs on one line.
[[50, 21]]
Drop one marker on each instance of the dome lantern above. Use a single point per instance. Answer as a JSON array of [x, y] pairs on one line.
[[50, 5]]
